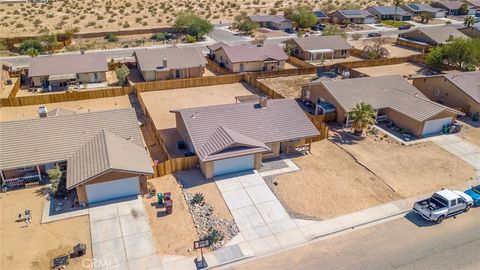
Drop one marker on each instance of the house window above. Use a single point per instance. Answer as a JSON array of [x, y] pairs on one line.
[[221, 58], [25, 169], [437, 92], [95, 75], [307, 94]]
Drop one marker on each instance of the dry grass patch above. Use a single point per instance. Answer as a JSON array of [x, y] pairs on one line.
[[289, 87], [471, 134], [36, 245], [80, 106], [405, 69]]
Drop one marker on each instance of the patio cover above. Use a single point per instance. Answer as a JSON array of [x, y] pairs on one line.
[[62, 77], [321, 51]]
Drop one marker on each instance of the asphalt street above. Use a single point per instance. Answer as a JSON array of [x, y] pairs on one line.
[[405, 243]]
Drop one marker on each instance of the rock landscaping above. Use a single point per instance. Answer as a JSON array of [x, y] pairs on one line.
[[207, 222]]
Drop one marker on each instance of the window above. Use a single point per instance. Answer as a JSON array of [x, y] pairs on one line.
[[25, 169], [95, 75], [437, 92], [307, 93], [461, 201], [453, 203], [221, 57]]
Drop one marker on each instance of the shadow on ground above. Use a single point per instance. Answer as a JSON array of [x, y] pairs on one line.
[[418, 220]]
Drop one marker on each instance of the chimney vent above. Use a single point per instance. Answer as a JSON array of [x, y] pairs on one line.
[[82, 52], [165, 64], [42, 111], [263, 102]]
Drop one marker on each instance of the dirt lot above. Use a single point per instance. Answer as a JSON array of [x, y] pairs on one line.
[[405, 69], [334, 61], [289, 87], [35, 245], [175, 233], [159, 103], [89, 105], [471, 134], [385, 171], [395, 51]]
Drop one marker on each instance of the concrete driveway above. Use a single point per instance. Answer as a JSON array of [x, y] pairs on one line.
[[462, 149], [121, 236]]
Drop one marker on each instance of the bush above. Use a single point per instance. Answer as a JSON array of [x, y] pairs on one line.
[[333, 31], [159, 36], [190, 39], [198, 198], [31, 43], [356, 36], [122, 75], [191, 24], [214, 236], [111, 37], [59, 186]]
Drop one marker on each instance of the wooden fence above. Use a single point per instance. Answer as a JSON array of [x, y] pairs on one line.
[[66, 96], [174, 165], [299, 63], [13, 89], [187, 83], [216, 68], [319, 121], [265, 89], [413, 45]]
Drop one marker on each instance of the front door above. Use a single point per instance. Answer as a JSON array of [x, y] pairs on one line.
[[242, 67]]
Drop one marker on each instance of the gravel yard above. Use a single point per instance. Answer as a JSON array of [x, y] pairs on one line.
[[289, 87], [471, 134], [405, 69]]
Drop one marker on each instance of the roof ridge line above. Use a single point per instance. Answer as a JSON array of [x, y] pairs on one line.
[[425, 99], [104, 138]]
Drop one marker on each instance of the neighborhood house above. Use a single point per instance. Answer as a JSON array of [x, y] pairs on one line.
[[392, 97], [102, 153], [352, 16], [453, 8], [433, 36], [170, 63], [389, 13], [321, 16], [60, 71], [417, 9], [459, 90], [273, 22], [236, 137], [319, 47], [471, 31], [244, 58]]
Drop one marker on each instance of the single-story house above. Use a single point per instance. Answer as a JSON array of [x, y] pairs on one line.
[[388, 13], [273, 22], [471, 32], [62, 70], [321, 16], [170, 63], [433, 36], [246, 58], [236, 137], [417, 9], [392, 97], [352, 16], [452, 8], [102, 153], [459, 90], [319, 47], [475, 4]]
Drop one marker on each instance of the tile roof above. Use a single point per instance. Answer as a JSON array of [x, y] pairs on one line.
[[217, 46], [51, 139], [60, 112], [104, 152], [422, 7], [322, 42], [450, 4], [355, 13], [66, 64], [224, 140], [391, 91], [268, 18], [468, 82], [389, 10], [475, 3], [439, 35], [250, 53], [248, 123], [177, 58]]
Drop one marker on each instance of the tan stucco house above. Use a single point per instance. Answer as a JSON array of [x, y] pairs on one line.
[[352, 16], [392, 97], [318, 47], [274, 22], [102, 153], [247, 58], [170, 63], [236, 137], [59, 71], [434, 36], [460, 90]]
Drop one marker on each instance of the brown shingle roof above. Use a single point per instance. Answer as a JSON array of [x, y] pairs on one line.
[[322, 42], [66, 64], [385, 92], [103, 152], [249, 53], [177, 58], [51, 139], [281, 120]]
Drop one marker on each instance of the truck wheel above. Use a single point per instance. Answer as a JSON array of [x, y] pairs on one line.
[[467, 208], [440, 219]]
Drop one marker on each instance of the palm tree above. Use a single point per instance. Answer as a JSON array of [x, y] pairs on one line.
[[396, 3], [363, 116], [469, 21]]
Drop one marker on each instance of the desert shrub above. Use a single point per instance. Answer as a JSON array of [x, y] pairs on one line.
[[198, 198], [31, 43], [111, 37], [122, 75], [190, 39], [191, 24]]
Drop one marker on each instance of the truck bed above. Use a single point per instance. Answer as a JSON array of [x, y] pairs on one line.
[[431, 204]]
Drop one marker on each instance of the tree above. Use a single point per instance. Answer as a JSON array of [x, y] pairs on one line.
[[32, 52], [463, 10], [122, 75], [59, 188], [469, 21], [363, 115], [111, 37], [375, 49], [244, 24], [462, 53], [303, 16], [31, 43], [333, 31], [396, 3], [191, 24], [425, 17], [50, 41]]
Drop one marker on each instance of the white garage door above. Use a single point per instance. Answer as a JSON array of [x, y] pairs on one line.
[[435, 126], [113, 189], [231, 165]]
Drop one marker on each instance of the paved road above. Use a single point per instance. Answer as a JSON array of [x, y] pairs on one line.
[[406, 243]]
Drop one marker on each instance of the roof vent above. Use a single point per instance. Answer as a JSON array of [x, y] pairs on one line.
[[263, 102], [165, 64], [42, 111]]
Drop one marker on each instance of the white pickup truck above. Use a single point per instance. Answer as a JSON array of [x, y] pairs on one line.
[[443, 204]]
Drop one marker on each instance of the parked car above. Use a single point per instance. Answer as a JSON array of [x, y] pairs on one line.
[[405, 27], [443, 204], [290, 31], [374, 34], [474, 192], [318, 27]]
